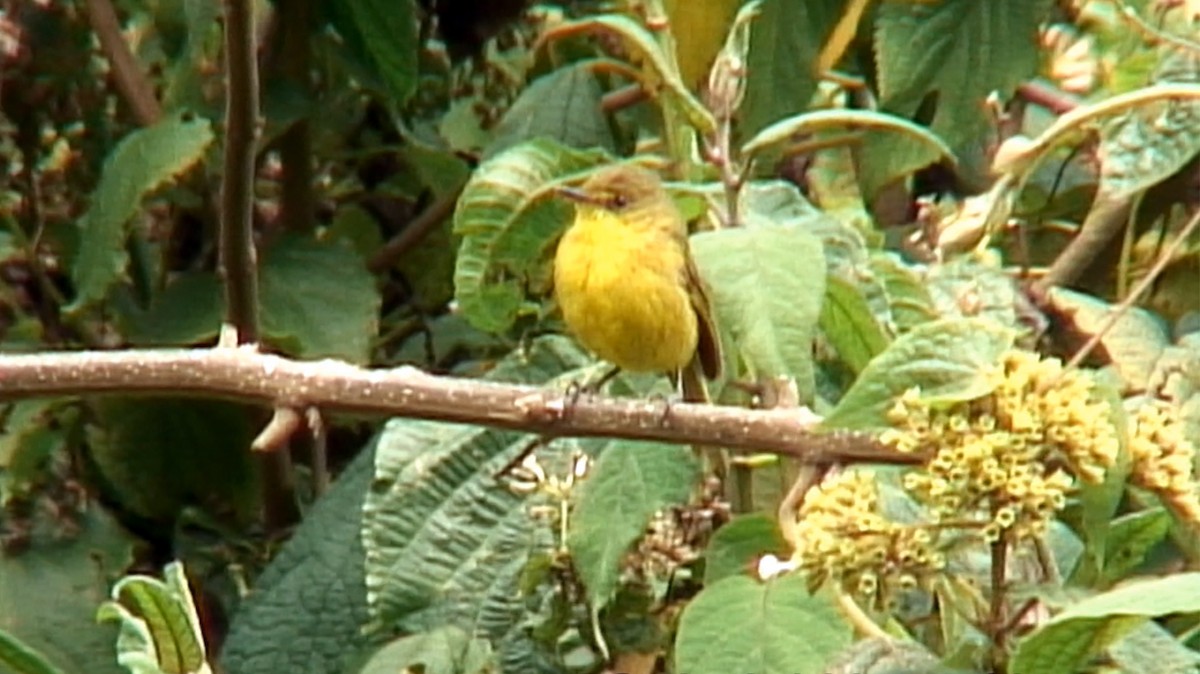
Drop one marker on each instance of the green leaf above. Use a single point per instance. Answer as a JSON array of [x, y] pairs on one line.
[[1151, 649], [739, 544], [49, 593], [825, 120], [785, 40], [188, 311], [446, 650], [446, 539], [909, 301], [1130, 538], [742, 625], [160, 631], [767, 282], [319, 300], [646, 49], [1145, 146], [699, 31], [158, 454], [948, 360], [966, 287], [141, 162], [309, 606], [848, 324], [563, 106], [381, 35], [628, 484], [1085, 629], [21, 659], [961, 50], [1133, 344], [509, 220], [30, 438]]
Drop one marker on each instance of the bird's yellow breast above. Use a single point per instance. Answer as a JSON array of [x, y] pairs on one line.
[[621, 290]]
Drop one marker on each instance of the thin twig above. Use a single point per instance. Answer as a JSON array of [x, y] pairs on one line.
[[237, 254], [245, 375], [996, 616], [1140, 289], [131, 81], [414, 232]]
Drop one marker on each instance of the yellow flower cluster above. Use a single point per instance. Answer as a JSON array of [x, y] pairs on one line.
[[1006, 461], [1163, 459], [842, 534]]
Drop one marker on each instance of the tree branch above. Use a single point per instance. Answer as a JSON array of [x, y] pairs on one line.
[[245, 375]]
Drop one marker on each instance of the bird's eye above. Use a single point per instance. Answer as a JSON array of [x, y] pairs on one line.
[[618, 201]]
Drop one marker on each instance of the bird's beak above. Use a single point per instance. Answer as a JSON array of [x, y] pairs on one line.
[[577, 195]]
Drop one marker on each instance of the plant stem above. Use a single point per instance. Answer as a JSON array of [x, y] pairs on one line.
[[237, 255]]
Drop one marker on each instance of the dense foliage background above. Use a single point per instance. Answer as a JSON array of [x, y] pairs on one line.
[[910, 215]]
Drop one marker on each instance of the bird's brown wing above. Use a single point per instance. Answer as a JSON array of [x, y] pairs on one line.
[[708, 344]]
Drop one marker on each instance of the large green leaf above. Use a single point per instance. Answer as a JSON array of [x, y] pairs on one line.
[[847, 322], [381, 35], [446, 539], [319, 300], [509, 219], [1145, 146], [738, 545], [741, 624], [49, 593], [160, 630], [628, 484], [141, 162], [948, 360], [158, 455], [962, 50], [562, 106], [309, 607], [446, 650], [1085, 629], [785, 40], [767, 282], [188, 311], [22, 659]]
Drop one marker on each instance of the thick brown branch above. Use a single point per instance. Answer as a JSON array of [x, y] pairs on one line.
[[246, 375]]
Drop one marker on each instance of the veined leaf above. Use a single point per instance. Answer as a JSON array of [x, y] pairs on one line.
[[848, 324], [628, 484], [318, 299], [1145, 146], [643, 43], [740, 624], [509, 219], [563, 106], [160, 631], [382, 37], [825, 120], [767, 282], [948, 360], [446, 539], [785, 41], [1084, 629], [446, 650], [963, 51], [141, 162]]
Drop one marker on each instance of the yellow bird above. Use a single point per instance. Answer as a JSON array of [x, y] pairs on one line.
[[626, 283]]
